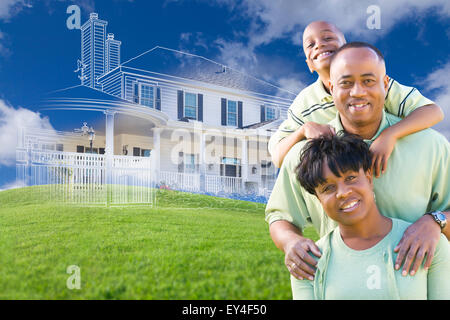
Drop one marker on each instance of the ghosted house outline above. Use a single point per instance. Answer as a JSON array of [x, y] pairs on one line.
[[205, 125]]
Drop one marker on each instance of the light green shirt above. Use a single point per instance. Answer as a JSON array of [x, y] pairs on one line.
[[347, 274], [315, 104], [416, 181]]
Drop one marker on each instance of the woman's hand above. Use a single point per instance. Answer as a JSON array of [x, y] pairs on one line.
[[381, 150], [298, 260]]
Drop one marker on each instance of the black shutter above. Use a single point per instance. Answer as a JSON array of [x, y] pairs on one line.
[[224, 111], [239, 114], [200, 107], [180, 104], [263, 113], [158, 99], [136, 93]]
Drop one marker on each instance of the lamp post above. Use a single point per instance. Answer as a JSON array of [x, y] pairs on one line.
[[90, 132]]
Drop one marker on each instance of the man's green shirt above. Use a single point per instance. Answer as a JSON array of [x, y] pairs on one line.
[[416, 181]]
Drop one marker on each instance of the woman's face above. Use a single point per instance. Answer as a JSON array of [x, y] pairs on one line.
[[346, 199]]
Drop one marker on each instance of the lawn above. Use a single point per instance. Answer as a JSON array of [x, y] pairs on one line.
[[189, 247]]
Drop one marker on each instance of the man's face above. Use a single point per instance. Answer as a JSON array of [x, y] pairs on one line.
[[358, 84], [320, 41]]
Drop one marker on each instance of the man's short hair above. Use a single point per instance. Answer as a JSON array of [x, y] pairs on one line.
[[356, 44], [341, 152]]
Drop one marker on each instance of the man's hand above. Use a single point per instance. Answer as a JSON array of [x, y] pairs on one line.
[[297, 259], [419, 239], [381, 150], [312, 130]]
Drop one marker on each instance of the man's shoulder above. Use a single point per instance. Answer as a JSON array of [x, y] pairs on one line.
[[292, 158], [429, 135]]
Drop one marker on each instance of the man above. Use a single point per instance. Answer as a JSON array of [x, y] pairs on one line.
[[415, 183], [313, 107]]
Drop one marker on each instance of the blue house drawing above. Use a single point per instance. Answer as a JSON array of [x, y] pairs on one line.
[[201, 126]]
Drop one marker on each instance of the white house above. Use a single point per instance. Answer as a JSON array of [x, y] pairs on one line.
[[204, 126]]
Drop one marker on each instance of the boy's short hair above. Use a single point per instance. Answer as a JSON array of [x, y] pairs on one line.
[[357, 44], [341, 152]]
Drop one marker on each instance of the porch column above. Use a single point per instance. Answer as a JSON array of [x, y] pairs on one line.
[[109, 147], [244, 162], [202, 165], [156, 154]]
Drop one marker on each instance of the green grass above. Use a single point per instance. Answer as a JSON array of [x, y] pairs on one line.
[[189, 247]]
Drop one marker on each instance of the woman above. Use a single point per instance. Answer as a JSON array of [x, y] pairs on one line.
[[358, 256]]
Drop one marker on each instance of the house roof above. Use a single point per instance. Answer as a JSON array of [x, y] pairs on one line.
[[82, 92], [189, 66]]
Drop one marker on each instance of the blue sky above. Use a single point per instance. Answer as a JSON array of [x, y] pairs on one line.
[[38, 53]]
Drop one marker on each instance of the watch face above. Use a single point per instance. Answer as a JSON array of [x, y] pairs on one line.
[[441, 216]]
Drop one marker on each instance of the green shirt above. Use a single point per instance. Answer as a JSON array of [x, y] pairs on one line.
[[345, 273], [416, 181], [315, 104]]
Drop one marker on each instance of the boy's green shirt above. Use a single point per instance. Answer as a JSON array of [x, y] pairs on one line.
[[315, 104]]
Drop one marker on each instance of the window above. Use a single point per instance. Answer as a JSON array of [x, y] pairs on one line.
[[189, 163], [190, 105], [230, 167], [59, 147], [231, 113], [136, 152], [270, 113], [145, 152], [147, 96], [80, 149]]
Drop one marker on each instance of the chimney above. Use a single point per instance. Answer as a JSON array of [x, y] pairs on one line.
[[93, 15]]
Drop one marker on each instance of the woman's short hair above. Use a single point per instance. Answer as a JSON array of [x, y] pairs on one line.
[[341, 152]]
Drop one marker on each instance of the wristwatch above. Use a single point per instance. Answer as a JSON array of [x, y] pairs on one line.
[[439, 217]]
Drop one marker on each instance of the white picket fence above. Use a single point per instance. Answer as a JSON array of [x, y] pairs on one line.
[[79, 178], [88, 179]]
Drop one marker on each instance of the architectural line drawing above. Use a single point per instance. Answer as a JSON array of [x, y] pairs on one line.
[[173, 120]]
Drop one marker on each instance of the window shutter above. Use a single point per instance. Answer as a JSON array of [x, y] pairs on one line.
[[200, 107], [239, 114], [136, 92], [263, 113], [180, 104], [224, 111], [158, 99]]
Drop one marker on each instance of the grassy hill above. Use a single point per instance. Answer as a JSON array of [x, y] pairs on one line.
[[189, 247]]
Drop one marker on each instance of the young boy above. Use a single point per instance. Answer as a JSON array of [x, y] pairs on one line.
[[314, 106]]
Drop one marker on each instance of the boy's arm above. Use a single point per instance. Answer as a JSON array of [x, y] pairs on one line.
[[421, 118], [418, 113], [309, 130]]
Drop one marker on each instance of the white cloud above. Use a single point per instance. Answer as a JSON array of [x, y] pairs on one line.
[[10, 7], [437, 83], [13, 185], [271, 20], [11, 119]]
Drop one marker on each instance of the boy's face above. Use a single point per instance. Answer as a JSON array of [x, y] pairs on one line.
[[320, 40]]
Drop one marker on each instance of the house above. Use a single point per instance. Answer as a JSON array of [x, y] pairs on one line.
[[204, 125]]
